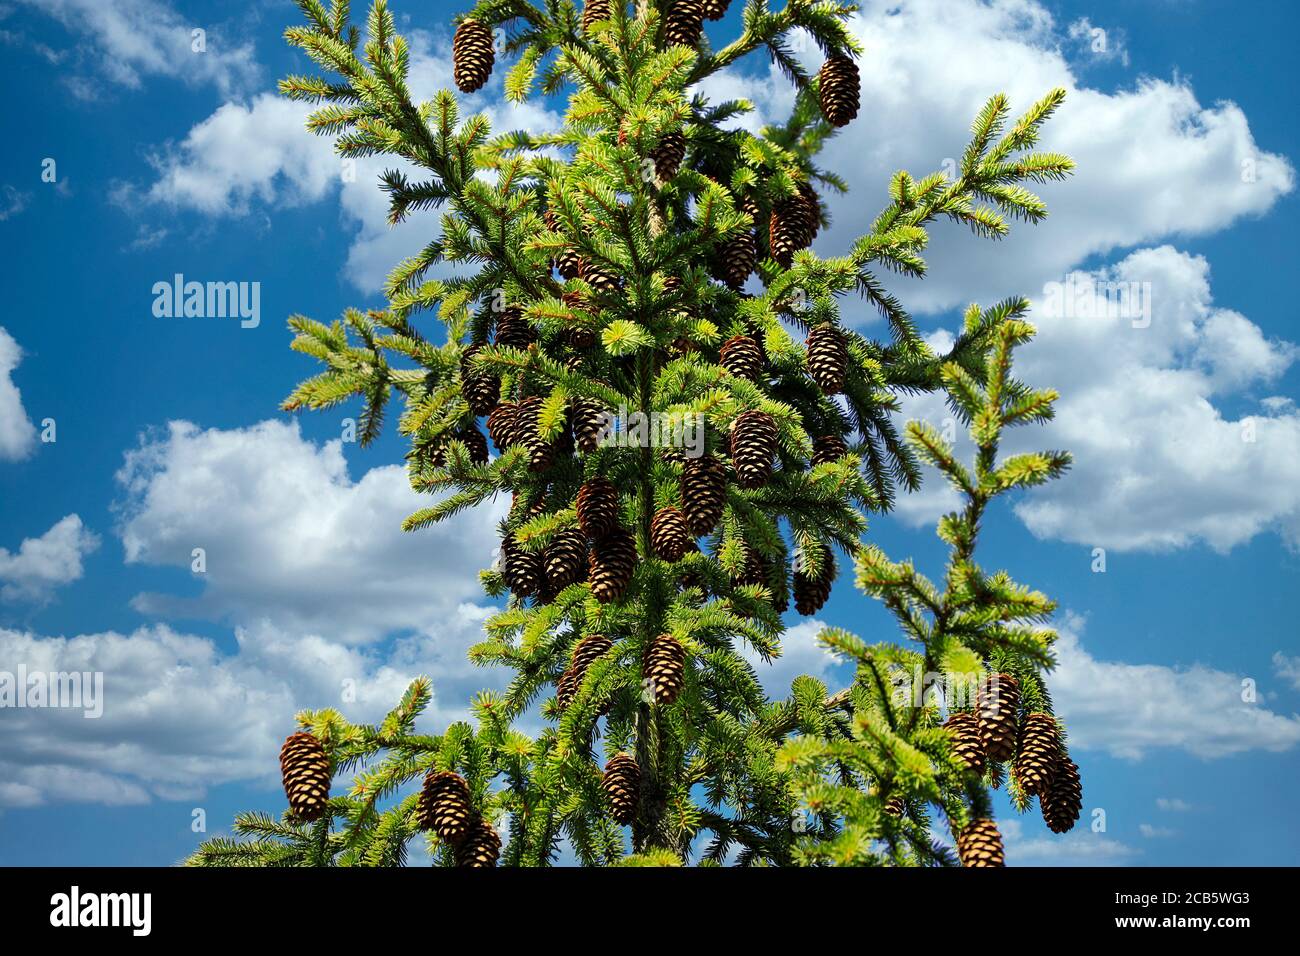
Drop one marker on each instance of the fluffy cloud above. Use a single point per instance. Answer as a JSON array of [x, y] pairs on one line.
[[179, 715], [289, 537], [1138, 379], [1287, 668], [800, 654], [17, 433], [42, 564], [128, 40], [1127, 710], [1079, 847]]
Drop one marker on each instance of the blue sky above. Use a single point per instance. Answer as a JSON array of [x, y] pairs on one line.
[[168, 160]]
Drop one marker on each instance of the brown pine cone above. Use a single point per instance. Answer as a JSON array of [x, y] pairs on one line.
[[1037, 754], [997, 704], [739, 256], [839, 90], [589, 649], [827, 358], [622, 784], [980, 844], [569, 264], [523, 571], [445, 806], [684, 23], [593, 10], [566, 559], [541, 453], [670, 534], [480, 388], [810, 594], [668, 154], [598, 508], [598, 277], [613, 559], [472, 55], [753, 443], [828, 448], [716, 9], [742, 357], [305, 772], [1062, 802], [589, 422], [514, 329], [480, 849], [503, 425], [475, 444], [664, 666], [704, 493], [964, 733]]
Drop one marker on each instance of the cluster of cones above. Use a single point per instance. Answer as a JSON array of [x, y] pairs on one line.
[[446, 809]]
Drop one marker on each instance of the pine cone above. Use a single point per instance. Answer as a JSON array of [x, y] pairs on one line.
[[753, 443], [541, 453], [1062, 802], [895, 806], [1037, 753], [828, 448], [810, 594], [305, 770], [475, 444], [472, 55], [665, 667], [599, 278], [684, 23], [742, 357], [480, 849], [808, 209], [785, 231], [589, 649], [621, 783], [569, 263], [594, 10], [588, 416], [444, 805], [503, 425], [668, 154], [672, 283], [580, 338], [566, 559], [597, 507], [827, 356], [704, 493], [513, 329], [716, 9], [739, 255], [964, 732], [523, 571], [762, 571], [839, 90], [613, 559], [997, 705], [980, 844], [670, 535], [480, 389]]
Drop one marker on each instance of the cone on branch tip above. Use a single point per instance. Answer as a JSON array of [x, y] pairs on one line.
[[481, 847], [670, 534], [839, 90], [445, 806], [664, 667], [827, 448], [827, 358], [811, 593], [1037, 753], [668, 154], [613, 559], [472, 55], [684, 23], [589, 649], [980, 844], [1062, 801], [305, 771], [704, 493], [997, 705], [753, 443], [742, 357], [964, 735], [597, 507], [621, 783], [593, 10]]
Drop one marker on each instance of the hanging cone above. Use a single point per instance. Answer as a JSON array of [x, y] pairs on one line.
[[1037, 753], [753, 443], [580, 338], [480, 849], [980, 844], [588, 416], [828, 448], [704, 493], [594, 10], [444, 805], [964, 734], [589, 649], [471, 55], [475, 444], [827, 356], [839, 90], [599, 278], [541, 453], [670, 535], [664, 667], [523, 570], [716, 9], [784, 230], [305, 770], [668, 154], [684, 23], [613, 558], [895, 806], [513, 329], [1062, 802], [566, 559], [597, 507], [480, 388], [569, 263], [764, 572], [997, 705], [739, 255], [742, 357], [621, 783], [672, 283], [503, 424], [808, 210], [810, 594]]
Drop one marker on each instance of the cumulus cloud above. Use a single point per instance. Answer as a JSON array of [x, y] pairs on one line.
[[1287, 668], [1128, 710], [179, 715], [800, 654], [42, 564], [17, 433], [128, 40], [1144, 377], [289, 537], [1079, 847], [1173, 804]]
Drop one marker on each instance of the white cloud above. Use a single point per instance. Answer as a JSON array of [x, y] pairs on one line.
[[800, 654], [1157, 464], [128, 40], [1127, 710], [1173, 804], [1080, 847], [17, 433], [289, 537], [1154, 833], [12, 201], [179, 716], [42, 564], [1287, 668]]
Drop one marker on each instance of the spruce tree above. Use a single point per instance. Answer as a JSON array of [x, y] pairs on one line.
[[649, 257]]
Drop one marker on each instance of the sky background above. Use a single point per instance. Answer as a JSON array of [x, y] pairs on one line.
[[166, 160]]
